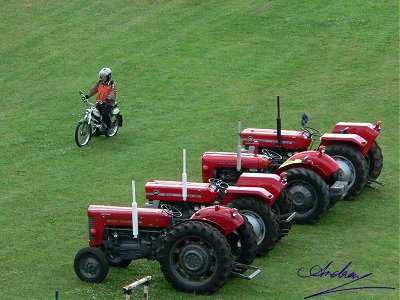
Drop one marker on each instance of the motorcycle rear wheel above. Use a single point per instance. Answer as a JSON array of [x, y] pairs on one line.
[[114, 126], [83, 133]]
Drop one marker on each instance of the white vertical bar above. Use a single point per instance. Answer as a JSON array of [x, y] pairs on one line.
[[184, 177], [135, 224]]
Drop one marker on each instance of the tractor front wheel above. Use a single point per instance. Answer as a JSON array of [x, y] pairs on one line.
[[308, 193], [353, 165], [263, 220], [195, 257], [91, 265]]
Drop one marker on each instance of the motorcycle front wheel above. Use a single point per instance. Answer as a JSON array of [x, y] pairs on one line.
[[83, 133]]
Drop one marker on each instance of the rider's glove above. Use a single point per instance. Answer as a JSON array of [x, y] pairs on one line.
[[84, 98]]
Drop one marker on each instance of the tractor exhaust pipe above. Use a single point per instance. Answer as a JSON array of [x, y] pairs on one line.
[[135, 224], [278, 124], [184, 177], [239, 148]]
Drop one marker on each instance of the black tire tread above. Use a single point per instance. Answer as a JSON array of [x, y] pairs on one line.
[[320, 187], [268, 216], [358, 161], [214, 237], [375, 157], [284, 206], [97, 254], [248, 243]]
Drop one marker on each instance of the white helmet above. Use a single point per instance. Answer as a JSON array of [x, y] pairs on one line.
[[105, 72]]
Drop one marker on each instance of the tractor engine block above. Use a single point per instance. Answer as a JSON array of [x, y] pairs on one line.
[[120, 243]]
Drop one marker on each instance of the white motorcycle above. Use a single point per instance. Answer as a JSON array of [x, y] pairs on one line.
[[92, 124]]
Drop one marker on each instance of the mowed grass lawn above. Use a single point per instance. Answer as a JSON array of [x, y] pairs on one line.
[[187, 72]]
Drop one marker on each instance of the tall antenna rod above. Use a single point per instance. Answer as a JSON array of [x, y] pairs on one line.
[[278, 124], [239, 148], [184, 177]]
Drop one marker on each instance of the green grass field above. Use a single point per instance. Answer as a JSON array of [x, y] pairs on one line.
[[187, 72]]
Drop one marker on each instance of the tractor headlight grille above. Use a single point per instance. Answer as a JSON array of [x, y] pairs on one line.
[[91, 224]]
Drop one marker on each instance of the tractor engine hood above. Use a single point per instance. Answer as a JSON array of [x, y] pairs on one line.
[[268, 138]]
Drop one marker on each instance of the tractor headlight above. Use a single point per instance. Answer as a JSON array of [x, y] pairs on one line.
[[234, 212]]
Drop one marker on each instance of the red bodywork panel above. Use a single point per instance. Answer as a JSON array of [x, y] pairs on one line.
[[121, 216], [201, 193], [362, 135], [356, 140], [224, 218], [172, 191], [273, 183], [212, 160], [233, 192], [367, 131], [267, 138], [319, 162]]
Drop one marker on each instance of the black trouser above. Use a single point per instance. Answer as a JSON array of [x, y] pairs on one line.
[[105, 111]]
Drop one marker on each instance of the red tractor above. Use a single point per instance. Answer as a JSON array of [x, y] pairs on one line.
[[195, 253], [352, 145], [312, 184], [254, 202]]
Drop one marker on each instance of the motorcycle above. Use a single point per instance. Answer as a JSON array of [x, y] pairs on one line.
[[92, 124]]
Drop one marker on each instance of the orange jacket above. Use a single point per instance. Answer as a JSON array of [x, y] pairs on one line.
[[105, 91]]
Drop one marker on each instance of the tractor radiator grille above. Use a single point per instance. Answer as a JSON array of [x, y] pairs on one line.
[[91, 223]]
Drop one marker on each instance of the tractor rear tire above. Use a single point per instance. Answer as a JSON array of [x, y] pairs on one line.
[[283, 206], [195, 257], [375, 161], [91, 265], [308, 193], [262, 218], [243, 243], [353, 160]]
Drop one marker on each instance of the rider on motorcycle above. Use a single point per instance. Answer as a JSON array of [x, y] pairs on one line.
[[107, 92]]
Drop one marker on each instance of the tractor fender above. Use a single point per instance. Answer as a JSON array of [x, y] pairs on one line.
[[225, 219], [367, 131], [317, 161], [354, 139], [232, 192]]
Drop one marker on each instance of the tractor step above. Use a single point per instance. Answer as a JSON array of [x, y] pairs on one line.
[[284, 232], [239, 269], [338, 190], [371, 181]]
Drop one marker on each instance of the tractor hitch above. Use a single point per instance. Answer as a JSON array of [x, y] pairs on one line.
[[239, 269]]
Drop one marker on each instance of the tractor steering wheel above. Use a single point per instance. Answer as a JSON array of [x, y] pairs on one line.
[[218, 185], [171, 210], [271, 154], [311, 131]]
